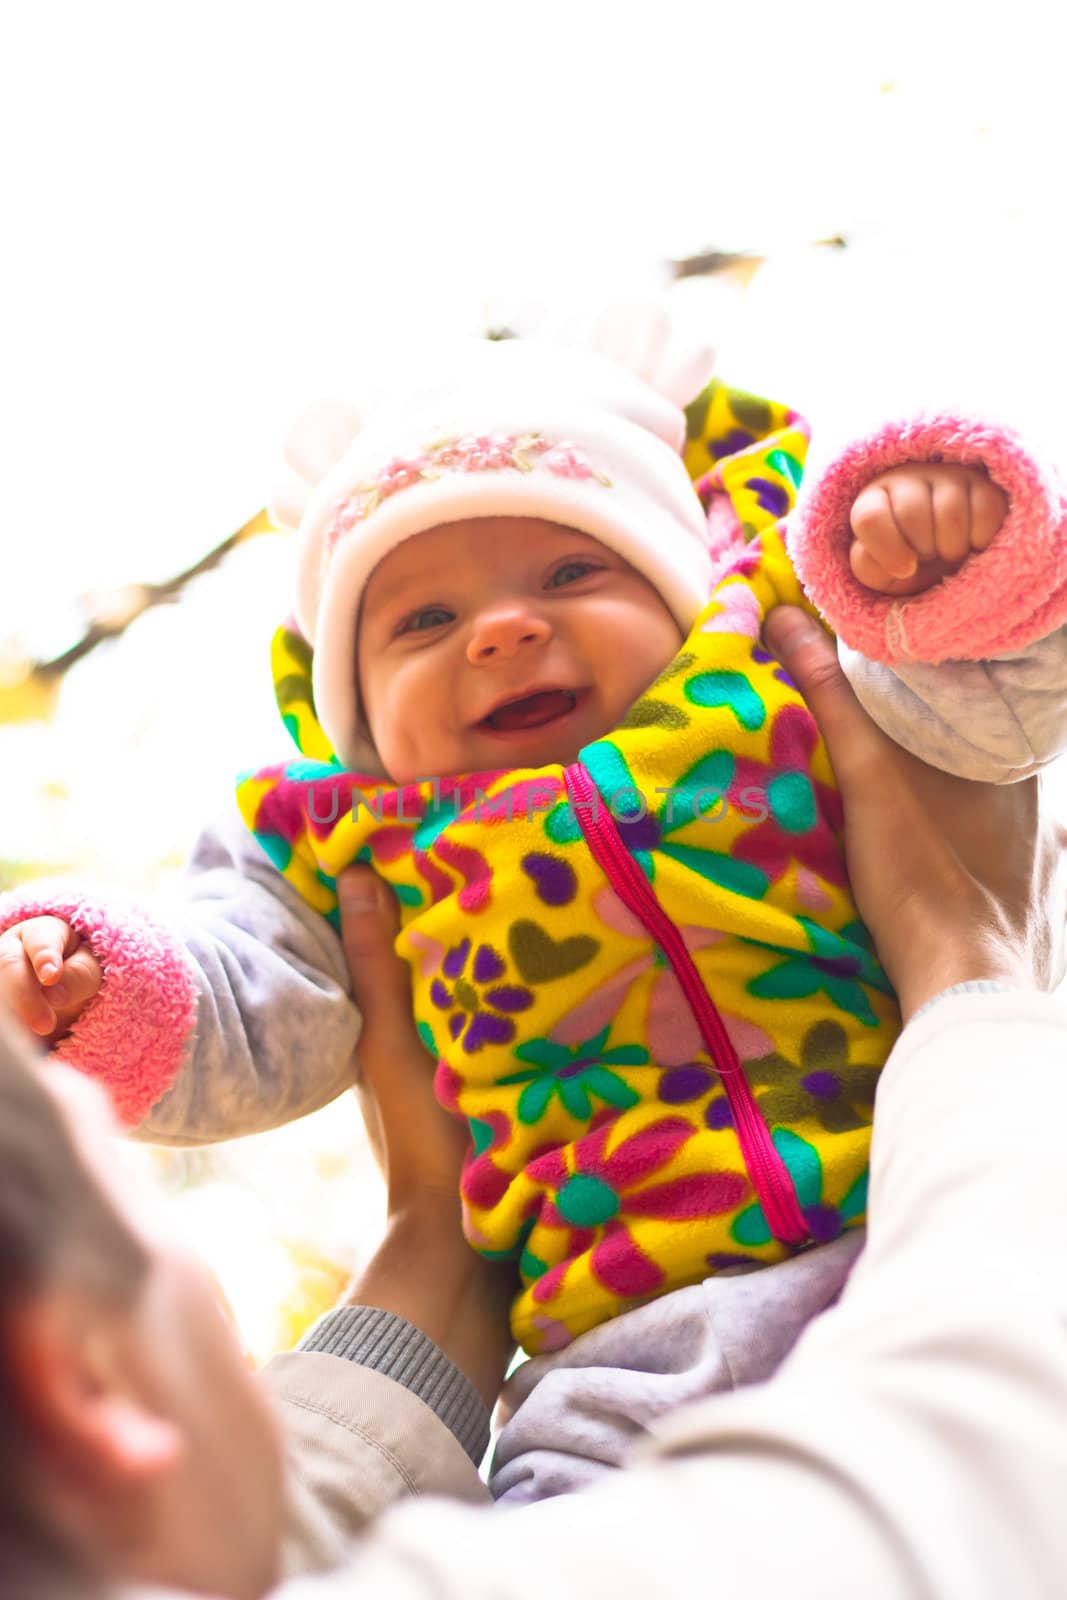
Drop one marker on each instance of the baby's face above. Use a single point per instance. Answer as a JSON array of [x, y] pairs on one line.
[[503, 642]]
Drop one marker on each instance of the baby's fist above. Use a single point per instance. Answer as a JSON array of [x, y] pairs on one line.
[[915, 524], [48, 975]]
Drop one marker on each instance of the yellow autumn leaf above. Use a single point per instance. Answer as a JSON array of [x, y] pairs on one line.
[[31, 698]]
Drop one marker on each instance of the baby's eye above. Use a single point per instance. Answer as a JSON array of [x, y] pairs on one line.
[[428, 617], [570, 572]]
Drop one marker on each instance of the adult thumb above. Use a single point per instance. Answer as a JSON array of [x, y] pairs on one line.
[[369, 921], [809, 654]]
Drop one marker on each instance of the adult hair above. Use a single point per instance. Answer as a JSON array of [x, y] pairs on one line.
[[57, 1227]]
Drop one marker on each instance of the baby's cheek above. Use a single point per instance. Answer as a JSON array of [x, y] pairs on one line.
[[642, 665], [410, 747]]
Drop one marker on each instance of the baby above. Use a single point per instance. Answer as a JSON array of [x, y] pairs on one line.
[[528, 686]]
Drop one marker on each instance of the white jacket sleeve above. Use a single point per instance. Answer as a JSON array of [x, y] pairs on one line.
[[914, 1444]]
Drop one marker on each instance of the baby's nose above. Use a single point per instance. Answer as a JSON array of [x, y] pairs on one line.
[[505, 632]]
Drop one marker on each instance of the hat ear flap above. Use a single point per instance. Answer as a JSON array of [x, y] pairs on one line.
[[316, 443], [655, 336]]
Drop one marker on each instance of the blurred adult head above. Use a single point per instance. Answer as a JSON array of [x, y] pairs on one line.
[[135, 1445]]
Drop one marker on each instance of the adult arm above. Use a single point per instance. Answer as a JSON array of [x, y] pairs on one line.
[[389, 1395], [916, 1441]]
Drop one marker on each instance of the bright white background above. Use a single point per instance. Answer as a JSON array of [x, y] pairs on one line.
[[214, 213]]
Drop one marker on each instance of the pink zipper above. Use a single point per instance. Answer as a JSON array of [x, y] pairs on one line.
[[769, 1174]]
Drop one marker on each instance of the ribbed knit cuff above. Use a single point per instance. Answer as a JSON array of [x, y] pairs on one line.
[[134, 1035], [971, 986], [386, 1343], [998, 602]]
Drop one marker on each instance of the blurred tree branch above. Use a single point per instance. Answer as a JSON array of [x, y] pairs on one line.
[[739, 266], [29, 689]]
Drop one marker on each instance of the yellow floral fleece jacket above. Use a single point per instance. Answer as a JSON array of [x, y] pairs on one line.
[[642, 978]]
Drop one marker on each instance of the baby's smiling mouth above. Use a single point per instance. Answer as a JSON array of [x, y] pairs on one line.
[[531, 711]]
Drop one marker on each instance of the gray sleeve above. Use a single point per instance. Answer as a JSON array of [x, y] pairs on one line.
[[992, 721], [574, 1416], [383, 1342], [276, 1028]]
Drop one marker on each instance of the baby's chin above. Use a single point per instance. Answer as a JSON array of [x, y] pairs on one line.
[[559, 750], [499, 755], [504, 758], [482, 749]]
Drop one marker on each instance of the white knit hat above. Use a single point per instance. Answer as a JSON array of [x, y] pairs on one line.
[[516, 428]]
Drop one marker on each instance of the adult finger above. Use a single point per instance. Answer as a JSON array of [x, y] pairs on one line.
[[368, 928], [391, 1053], [370, 921], [809, 654], [417, 1146]]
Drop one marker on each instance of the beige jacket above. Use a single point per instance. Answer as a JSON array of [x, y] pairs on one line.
[[914, 1443]]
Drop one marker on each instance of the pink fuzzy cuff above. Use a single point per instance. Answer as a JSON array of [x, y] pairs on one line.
[[132, 1037], [997, 603]]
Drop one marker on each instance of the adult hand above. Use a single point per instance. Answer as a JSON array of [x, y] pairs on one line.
[[418, 1146], [955, 880], [424, 1270]]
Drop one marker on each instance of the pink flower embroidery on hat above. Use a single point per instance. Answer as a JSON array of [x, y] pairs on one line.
[[482, 452], [478, 452], [399, 474], [567, 461]]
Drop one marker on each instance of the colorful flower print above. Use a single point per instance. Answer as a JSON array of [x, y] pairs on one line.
[[763, 658], [644, 830], [554, 880], [595, 1194], [420, 821], [574, 1074], [419, 835], [671, 1029], [837, 966], [681, 1085], [772, 497], [483, 1184], [824, 1221], [746, 563], [447, 1082], [738, 611], [722, 688], [803, 813], [479, 1006], [825, 1085]]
